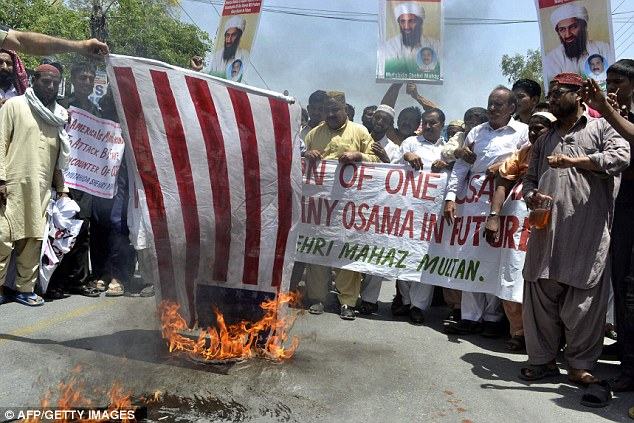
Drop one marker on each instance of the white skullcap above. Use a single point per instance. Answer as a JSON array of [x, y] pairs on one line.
[[409, 9], [235, 21], [387, 109], [547, 115], [567, 11]]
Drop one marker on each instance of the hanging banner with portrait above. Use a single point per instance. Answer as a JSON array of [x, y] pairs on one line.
[[410, 41], [576, 36], [234, 38]]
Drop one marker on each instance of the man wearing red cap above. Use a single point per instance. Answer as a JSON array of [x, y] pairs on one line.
[[34, 149], [577, 164]]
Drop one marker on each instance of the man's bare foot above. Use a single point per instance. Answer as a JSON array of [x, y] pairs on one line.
[[582, 376]]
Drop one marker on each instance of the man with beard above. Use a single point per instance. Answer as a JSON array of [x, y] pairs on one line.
[[406, 46], [34, 148], [42, 45], [577, 166], [13, 77], [570, 22], [336, 139], [491, 143], [223, 58]]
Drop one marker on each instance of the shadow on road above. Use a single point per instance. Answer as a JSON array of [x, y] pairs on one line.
[[495, 368], [135, 344]]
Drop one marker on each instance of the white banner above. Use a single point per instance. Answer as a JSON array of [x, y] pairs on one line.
[[96, 149], [388, 220]]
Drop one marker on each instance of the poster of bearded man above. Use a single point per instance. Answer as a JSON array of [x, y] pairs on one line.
[[576, 36], [234, 38], [410, 41]]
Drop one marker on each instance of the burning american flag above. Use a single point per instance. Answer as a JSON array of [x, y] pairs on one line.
[[218, 164]]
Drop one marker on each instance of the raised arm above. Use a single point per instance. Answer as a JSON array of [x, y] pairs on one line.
[[389, 99], [413, 92], [43, 45], [593, 96]]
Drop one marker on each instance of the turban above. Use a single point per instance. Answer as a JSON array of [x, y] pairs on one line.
[[386, 109], [409, 9], [20, 77], [456, 122], [235, 21], [337, 96], [547, 115], [48, 68], [567, 11], [569, 78]]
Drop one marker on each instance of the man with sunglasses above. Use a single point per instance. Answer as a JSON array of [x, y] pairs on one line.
[[578, 163]]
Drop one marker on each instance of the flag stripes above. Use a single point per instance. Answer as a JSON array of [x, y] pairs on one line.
[[220, 169]]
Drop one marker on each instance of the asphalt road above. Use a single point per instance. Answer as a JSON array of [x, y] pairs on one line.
[[376, 369]]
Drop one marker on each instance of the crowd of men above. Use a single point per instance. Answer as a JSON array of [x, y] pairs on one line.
[[572, 155], [34, 150]]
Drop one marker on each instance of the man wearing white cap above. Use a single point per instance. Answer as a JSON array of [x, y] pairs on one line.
[[387, 152], [224, 58], [407, 45], [570, 22]]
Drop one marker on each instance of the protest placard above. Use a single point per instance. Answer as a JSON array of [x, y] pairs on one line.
[[234, 38], [410, 41], [576, 36], [388, 220], [96, 150]]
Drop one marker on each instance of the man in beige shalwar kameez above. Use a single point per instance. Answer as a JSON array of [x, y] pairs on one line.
[[32, 151]]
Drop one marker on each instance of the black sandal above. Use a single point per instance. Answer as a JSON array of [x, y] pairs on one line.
[[87, 291], [597, 395], [55, 293], [516, 343]]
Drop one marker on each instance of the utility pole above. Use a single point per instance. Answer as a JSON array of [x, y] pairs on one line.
[[98, 24]]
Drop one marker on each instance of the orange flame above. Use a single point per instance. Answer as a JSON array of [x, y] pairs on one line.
[[240, 341], [71, 397]]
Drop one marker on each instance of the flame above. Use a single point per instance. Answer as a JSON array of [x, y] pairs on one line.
[[240, 341], [71, 397]]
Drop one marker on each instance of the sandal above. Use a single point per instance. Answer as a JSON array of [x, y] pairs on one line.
[[516, 343], [115, 289], [98, 284], [55, 293], [87, 291], [597, 395], [367, 307], [29, 299], [622, 383], [532, 373]]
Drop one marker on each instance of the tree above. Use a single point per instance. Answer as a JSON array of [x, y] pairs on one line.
[[144, 28], [518, 67]]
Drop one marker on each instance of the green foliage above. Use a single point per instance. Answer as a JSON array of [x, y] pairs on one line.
[[518, 66], [144, 28], [46, 17]]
